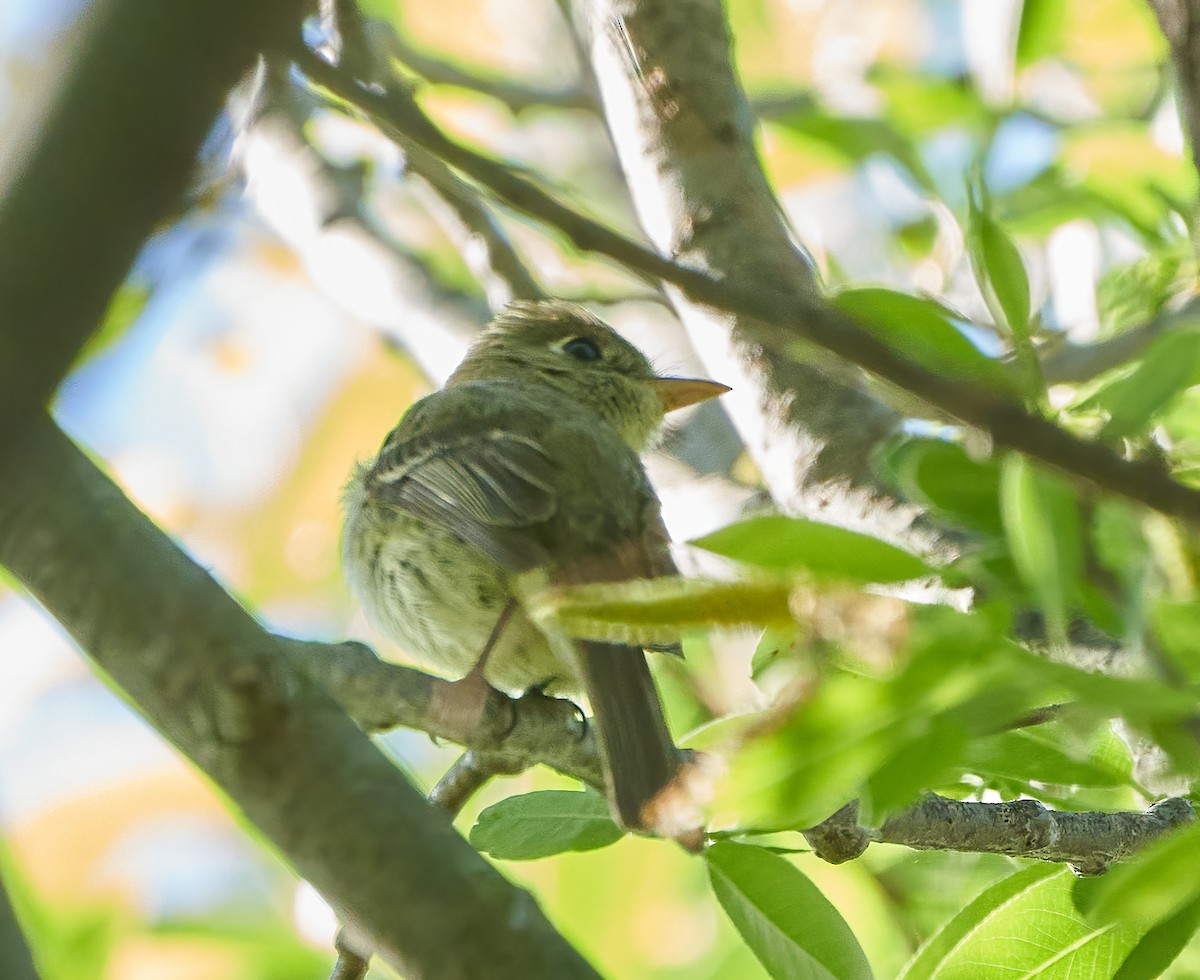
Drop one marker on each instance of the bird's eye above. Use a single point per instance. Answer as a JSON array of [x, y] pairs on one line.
[[582, 349]]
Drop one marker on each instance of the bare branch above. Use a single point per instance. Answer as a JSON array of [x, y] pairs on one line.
[[1072, 363], [214, 683], [777, 320], [511, 735], [1090, 842]]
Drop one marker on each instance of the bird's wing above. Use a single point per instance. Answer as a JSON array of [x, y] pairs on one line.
[[484, 487]]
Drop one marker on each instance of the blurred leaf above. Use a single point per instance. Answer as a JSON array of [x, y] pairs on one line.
[[1041, 521], [1027, 926], [1119, 540], [124, 308], [1121, 163], [920, 103], [1043, 24], [1167, 367], [822, 550], [921, 330], [941, 475], [1046, 753], [856, 138], [1133, 294], [774, 643], [656, 610], [1155, 885], [998, 267], [1000, 272], [1176, 626], [791, 927], [541, 824], [886, 739], [1160, 946]]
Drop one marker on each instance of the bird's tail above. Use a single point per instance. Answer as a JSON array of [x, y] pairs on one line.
[[639, 757]]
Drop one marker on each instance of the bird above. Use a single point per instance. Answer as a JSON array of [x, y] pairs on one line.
[[527, 460]]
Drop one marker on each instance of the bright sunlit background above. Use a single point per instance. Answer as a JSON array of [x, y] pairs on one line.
[[244, 368]]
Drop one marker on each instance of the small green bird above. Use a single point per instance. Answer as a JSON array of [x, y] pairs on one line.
[[526, 460]]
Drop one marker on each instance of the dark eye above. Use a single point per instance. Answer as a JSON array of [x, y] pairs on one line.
[[582, 349]]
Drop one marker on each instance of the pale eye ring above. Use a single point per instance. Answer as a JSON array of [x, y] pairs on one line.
[[582, 349]]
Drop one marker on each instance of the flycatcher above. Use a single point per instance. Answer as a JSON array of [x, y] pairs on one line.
[[526, 460]]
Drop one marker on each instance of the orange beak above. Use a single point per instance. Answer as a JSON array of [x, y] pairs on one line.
[[681, 392]]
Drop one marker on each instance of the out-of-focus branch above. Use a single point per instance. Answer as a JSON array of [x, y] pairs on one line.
[[103, 161], [777, 318], [16, 963], [1090, 842], [360, 45], [219, 687], [1073, 363], [517, 96], [1180, 23], [683, 131], [483, 243]]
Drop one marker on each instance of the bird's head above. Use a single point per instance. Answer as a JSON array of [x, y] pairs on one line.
[[564, 346]]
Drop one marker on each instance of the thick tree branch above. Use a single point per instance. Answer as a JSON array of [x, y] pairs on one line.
[[776, 319], [136, 101], [219, 687], [1090, 842]]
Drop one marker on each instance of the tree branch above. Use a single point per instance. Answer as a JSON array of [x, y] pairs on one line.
[[777, 319], [137, 99], [215, 684], [512, 735], [1180, 23], [684, 133], [1090, 842]]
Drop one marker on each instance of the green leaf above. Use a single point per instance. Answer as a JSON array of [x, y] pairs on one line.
[[1159, 947], [999, 268], [1134, 399], [1046, 753], [1155, 885], [1041, 521], [1177, 628], [823, 550], [856, 138], [921, 330], [538, 825], [789, 925], [943, 477], [1024, 926], [657, 610]]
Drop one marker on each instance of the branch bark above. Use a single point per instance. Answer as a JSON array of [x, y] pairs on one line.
[[222, 690], [1090, 842]]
